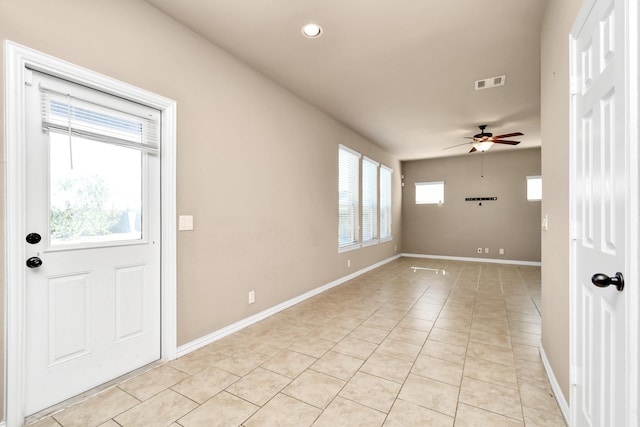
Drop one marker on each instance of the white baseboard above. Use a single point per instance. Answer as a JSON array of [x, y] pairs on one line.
[[555, 386], [470, 259], [235, 327]]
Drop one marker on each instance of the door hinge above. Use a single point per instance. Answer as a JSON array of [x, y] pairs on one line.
[[575, 376], [573, 230], [573, 85], [28, 77]]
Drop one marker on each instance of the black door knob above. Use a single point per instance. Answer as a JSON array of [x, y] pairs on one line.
[[34, 262], [33, 238], [602, 280]]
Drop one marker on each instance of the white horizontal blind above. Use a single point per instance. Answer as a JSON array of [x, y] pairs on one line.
[[385, 202], [429, 192], [348, 201], [369, 200], [66, 114]]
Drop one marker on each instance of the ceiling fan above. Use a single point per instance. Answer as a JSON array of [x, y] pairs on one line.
[[485, 140]]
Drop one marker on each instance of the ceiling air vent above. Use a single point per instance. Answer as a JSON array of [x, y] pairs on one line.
[[490, 82]]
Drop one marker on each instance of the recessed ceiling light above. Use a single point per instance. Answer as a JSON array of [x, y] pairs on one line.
[[311, 30]]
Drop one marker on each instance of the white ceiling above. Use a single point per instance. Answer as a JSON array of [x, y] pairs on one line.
[[401, 73]]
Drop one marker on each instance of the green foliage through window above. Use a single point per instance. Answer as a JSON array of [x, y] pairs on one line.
[[84, 212]]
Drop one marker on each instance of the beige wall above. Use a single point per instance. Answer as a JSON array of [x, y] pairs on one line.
[[458, 227], [558, 19], [257, 166]]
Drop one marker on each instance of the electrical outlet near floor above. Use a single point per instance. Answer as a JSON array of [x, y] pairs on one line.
[[252, 297], [501, 251], [486, 250], [348, 263], [479, 250]]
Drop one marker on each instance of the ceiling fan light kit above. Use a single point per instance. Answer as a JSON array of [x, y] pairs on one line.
[[485, 140], [482, 146]]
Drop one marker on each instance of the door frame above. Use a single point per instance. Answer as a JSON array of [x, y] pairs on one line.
[[16, 58], [632, 206]]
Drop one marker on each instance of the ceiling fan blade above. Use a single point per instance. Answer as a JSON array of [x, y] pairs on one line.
[[503, 141], [508, 135], [473, 150], [457, 145]]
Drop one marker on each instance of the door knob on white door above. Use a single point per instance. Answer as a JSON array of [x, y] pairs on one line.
[[34, 262], [33, 238], [602, 280]]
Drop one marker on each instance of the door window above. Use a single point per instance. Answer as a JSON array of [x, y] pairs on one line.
[[95, 192], [96, 167]]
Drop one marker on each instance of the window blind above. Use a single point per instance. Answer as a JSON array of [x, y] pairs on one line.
[[369, 200], [67, 114], [348, 201], [385, 202]]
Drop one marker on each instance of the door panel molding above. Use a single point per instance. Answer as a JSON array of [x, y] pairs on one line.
[[16, 60]]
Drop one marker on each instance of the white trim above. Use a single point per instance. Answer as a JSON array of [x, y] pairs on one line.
[[241, 324], [350, 247], [370, 242], [469, 259], [16, 58], [382, 166], [555, 386], [370, 160], [349, 150]]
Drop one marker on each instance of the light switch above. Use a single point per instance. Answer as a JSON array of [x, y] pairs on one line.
[[185, 222]]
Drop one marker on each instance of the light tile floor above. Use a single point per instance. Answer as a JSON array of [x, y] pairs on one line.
[[452, 344]]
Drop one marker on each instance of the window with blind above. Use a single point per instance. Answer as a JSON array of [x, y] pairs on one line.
[[98, 144], [348, 200], [369, 201], [137, 128], [385, 203]]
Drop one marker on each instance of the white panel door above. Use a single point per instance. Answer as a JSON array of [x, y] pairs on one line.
[[601, 186], [93, 275]]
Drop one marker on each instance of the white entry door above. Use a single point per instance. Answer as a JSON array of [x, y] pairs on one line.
[[92, 239], [601, 187]]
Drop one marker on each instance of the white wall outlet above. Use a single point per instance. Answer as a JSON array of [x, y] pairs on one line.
[[479, 250], [395, 248], [348, 263], [185, 222], [501, 251], [252, 297], [486, 250]]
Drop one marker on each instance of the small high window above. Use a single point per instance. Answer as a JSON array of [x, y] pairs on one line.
[[429, 192], [534, 188]]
